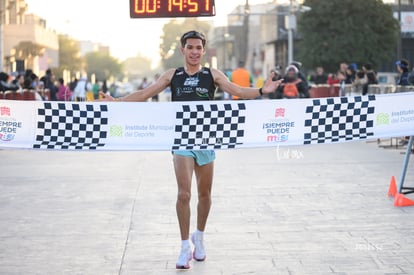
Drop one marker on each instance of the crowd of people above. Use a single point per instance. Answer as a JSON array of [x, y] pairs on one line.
[[295, 84], [361, 79], [48, 87]]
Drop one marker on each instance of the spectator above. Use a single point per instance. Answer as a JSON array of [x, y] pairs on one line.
[[82, 87], [64, 94], [35, 82], [276, 72], [371, 77], [104, 87], [144, 84], [5, 84], [334, 79], [167, 93], [403, 70], [259, 79], [27, 83], [359, 82], [27, 75], [241, 77], [291, 87], [155, 98], [341, 77], [320, 77], [96, 89], [223, 94], [351, 73], [19, 81], [72, 85], [343, 67], [411, 77], [301, 75], [112, 89], [49, 83]]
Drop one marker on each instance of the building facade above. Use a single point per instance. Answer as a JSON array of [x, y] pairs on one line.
[[26, 40]]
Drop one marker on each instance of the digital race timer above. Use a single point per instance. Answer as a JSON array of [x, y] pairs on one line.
[[171, 8]]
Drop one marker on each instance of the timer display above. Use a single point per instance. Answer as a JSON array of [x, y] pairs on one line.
[[171, 8]]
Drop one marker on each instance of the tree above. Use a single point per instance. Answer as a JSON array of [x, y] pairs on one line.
[[335, 31], [137, 66], [69, 56], [170, 46], [102, 65]]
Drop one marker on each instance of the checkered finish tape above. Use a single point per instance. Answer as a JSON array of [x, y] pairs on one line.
[[71, 126], [214, 126], [339, 119]]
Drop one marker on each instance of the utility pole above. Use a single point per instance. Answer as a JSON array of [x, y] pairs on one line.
[[399, 42], [225, 39], [290, 22], [2, 11], [246, 21]]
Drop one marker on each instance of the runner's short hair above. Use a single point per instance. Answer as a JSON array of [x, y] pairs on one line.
[[193, 34]]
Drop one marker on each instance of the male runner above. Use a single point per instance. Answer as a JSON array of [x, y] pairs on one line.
[[194, 83]]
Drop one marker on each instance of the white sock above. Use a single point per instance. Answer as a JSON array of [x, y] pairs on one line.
[[185, 243], [199, 233]]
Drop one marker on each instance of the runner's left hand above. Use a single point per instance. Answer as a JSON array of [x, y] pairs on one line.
[[270, 86]]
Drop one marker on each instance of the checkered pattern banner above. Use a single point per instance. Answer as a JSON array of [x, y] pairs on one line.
[[71, 126], [203, 125], [339, 119], [214, 126]]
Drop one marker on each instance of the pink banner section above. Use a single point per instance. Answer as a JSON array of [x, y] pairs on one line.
[[203, 125]]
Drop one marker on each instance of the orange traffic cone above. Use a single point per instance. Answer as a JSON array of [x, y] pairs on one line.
[[401, 201], [392, 190]]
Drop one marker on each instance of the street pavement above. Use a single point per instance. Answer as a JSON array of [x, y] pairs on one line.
[[319, 209]]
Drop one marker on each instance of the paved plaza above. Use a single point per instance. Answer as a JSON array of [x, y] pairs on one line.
[[317, 209]]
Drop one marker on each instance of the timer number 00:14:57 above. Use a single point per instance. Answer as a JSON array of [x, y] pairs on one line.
[[171, 8]]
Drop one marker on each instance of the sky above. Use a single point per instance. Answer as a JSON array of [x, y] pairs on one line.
[[105, 22]]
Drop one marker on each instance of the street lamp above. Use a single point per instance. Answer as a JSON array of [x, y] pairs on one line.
[[290, 23], [225, 39], [246, 21], [399, 42], [2, 11]]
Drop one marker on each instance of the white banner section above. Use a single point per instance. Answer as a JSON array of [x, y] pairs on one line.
[[203, 125]]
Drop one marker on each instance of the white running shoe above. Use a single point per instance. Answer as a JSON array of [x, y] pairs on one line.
[[199, 253], [184, 259]]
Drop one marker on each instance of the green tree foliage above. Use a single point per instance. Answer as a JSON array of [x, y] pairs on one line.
[[171, 56], [69, 55], [102, 65], [137, 66], [358, 31]]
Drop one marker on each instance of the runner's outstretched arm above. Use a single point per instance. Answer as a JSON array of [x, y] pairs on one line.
[[144, 94], [244, 92]]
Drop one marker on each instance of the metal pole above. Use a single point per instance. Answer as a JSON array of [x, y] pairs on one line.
[[244, 54], [399, 42], [1, 47], [290, 34], [290, 46], [2, 10], [225, 52], [405, 164]]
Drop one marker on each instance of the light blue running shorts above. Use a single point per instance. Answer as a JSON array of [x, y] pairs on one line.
[[201, 157]]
